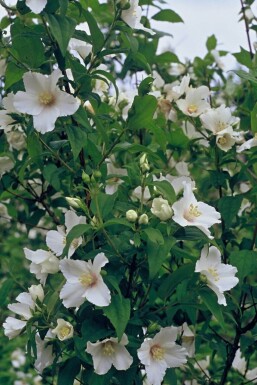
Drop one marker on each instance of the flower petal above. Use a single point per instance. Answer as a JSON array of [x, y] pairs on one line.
[[27, 103]]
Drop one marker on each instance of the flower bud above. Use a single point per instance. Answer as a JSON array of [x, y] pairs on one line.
[[143, 162], [63, 330], [85, 177], [73, 202], [161, 209], [89, 107], [143, 219], [36, 292], [131, 215], [97, 174]]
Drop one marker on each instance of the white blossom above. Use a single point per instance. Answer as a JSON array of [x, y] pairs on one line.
[[110, 352], [139, 194], [187, 339], [18, 358], [160, 353], [175, 90], [161, 209], [45, 356], [44, 100], [220, 277], [36, 6], [132, 17], [84, 281], [189, 212], [6, 164], [248, 144], [114, 172], [64, 330], [16, 139], [42, 263], [225, 139], [131, 215], [56, 240], [81, 47], [219, 119], [195, 102]]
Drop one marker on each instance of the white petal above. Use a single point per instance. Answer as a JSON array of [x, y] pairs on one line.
[[99, 261], [67, 104], [55, 241], [37, 256], [166, 335], [122, 360], [20, 309], [72, 270], [53, 79], [98, 294], [72, 295], [13, 327], [36, 6], [45, 120], [35, 83], [27, 103], [175, 356], [155, 372]]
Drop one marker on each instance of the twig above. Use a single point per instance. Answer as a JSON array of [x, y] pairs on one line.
[[247, 29]]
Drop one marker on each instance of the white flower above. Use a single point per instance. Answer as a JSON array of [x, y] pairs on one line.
[[63, 330], [139, 194], [113, 183], [160, 353], [132, 17], [36, 292], [44, 100], [6, 121], [161, 209], [225, 139], [175, 90], [216, 57], [239, 362], [218, 119], [36, 6], [81, 47], [45, 355], [56, 240], [16, 139], [187, 339], [18, 358], [42, 263], [220, 277], [189, 212], [248, 144], [13, 327], [84, 281], [110, 352], [6, 164], [195, 102], [131, 215]]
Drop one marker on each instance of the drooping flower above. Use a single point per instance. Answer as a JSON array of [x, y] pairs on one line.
[[44, 100], [161, 209], [220, 277], [45, 356], [110, 352], [24, 307], [195, 102], [218, 119], [248, 144], [187, 339], [36, 6], [56, 240], [189, 212], [42, 263], [160, 353], [132, 17], [84, 281], [63, 330]]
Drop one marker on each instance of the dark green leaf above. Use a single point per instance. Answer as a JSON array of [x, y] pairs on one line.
[[68, 371], [96, 34], [176, 277], [245, 261], [118, 312], [62, 28], [254, 119], [157, 254], [211, 42], [211, 302], [166, 190], [229, 207], [77, 138], [244, 57], [168, 15], [154, 235], [142, 111]]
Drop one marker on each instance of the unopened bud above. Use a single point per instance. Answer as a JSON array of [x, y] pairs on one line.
[[144, 165], [131, 215], [85, 177], [143, 219], [97, 174], [36, 292], [89, 107], [73, 202]]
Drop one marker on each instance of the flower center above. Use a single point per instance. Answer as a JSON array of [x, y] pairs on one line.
[[108, 349], [214, 273], [192, 108], [75, 243], [221, 126], [64, 331], [157, 352], [192, 213], [87, 279], [46, 98], [222, 140]]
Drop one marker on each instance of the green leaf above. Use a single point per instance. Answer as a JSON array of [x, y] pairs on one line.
[[245, 261], [244, 57], [142, 111], [229, 207], [167, 57], [168, 15], [211, 43], [34, 147], [211, 302], [119, 222], [96, 34], [5, 289], [157, 254], [118, 312], [68, 371], [170, 283], [77, 138], [62, 28], [74, 233], [254, 119], [252, 76], [154, 235], [13, 74], [166, 190], [145, 86], [25, 45], [102, 205]]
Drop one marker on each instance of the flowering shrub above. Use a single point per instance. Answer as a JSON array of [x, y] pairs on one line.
[[128, 200]]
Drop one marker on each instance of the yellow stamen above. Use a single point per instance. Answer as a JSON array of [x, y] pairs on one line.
[[65, 331], [46, 98], [87, 279], [192, 108], [192, 212], [214, 273], [157, 352], [108, 349], [222, 140]]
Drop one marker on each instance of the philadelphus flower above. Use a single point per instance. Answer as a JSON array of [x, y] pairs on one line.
[[45, 356], [24, 307], [161, 209], [187, 339], [225, 139], [56, 240], [63, 330], [36, 6], [42, 263], [110, 352], [138, 193], [189, 212], [219, 119], [220, 277], [195, 102], [84, 281], [175, 90], [6, 164], [44, 100], [160, 353], [6, 121], [248, 144], [132, 17], [131, 215]]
